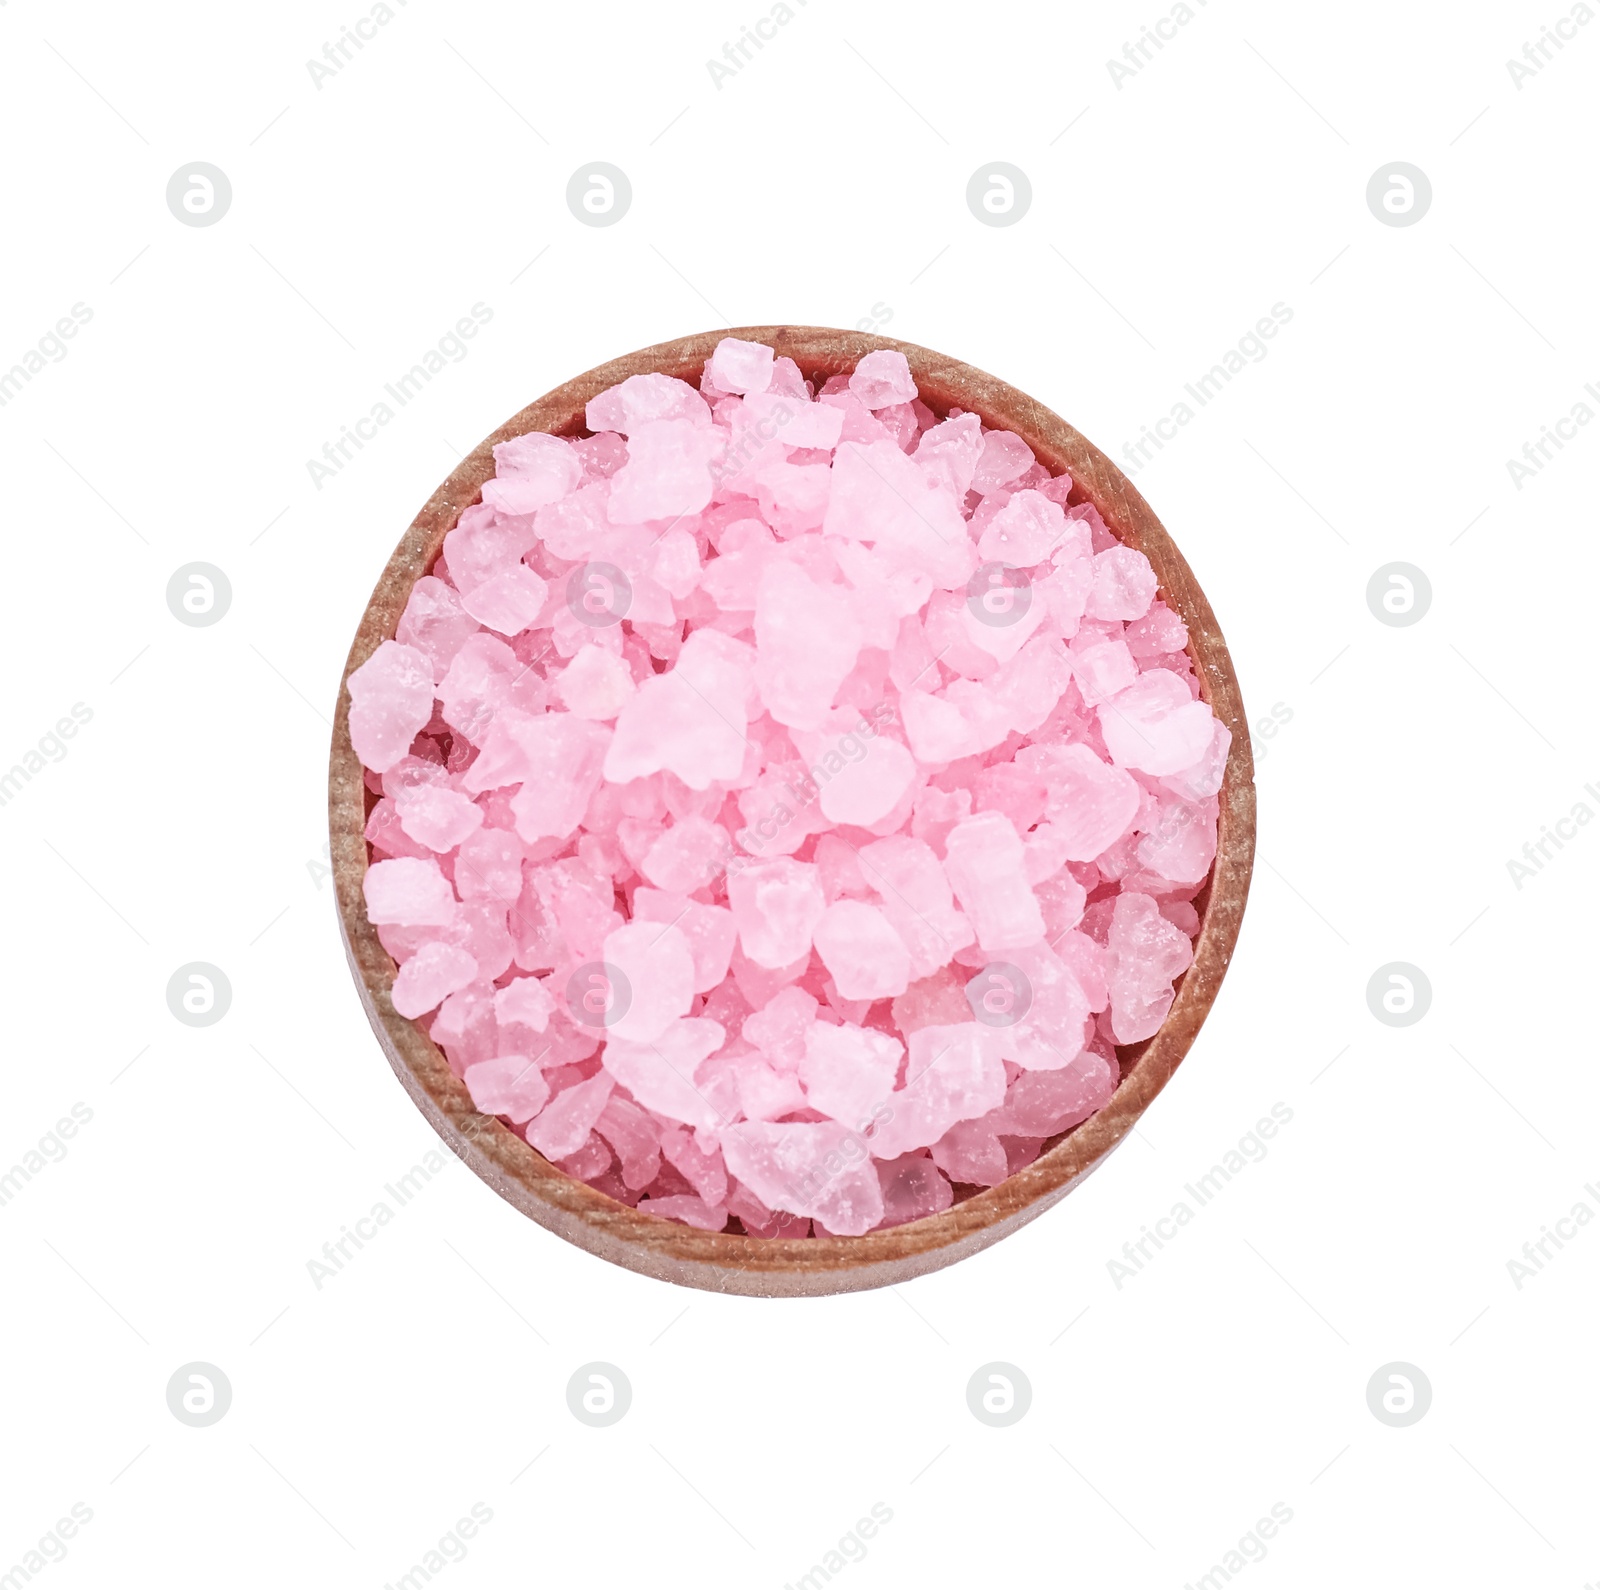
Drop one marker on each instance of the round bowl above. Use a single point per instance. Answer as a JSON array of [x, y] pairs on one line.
[[779, 1267]]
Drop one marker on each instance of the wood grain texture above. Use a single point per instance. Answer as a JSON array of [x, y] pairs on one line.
[[750, 1265]]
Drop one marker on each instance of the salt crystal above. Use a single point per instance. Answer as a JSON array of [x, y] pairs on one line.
[[782, 1028], [510, 1085], [668, 472], [912, 1189], [391, 700], [595, 684], [563, 1125], [484, 676], [873, 782], [738, 366], [847, 1072], [1124, 584], [1182, 844], [1089, 804], [984, 860], [440, 818], [702, 1168], [864, 955], [409, 892], [971, 1152], [562, 756], [881, 378], [952, 1074], [690, 720], [777, 905], [634, 1137], [658, 966], [789, 421], [660, 1073], [687, 856], [807, 640], [766, 1094], [936, 728], [531, 472], [915, 897], [524, 1001], [1004, 457], [437, 969], [687, 1209], [1042, 1103], [709, 929], [1101, 669], [1145, 953], [1155, 725], [1024, 532], [508, 601], [819, 1170], [483, 544], [642, 399], [879, 495], [435, 622]]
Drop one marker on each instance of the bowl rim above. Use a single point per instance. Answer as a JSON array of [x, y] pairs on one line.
[[758, 1266]]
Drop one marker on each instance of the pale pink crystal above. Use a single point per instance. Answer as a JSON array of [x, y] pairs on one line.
[[437, 969], [687, 856], [882, 378], [782, 1028], [807, 640], [690, 720], [645, 398], [912, 1189], [777, 905], [511, 1085], [1145, 953], [668, 472], [508, 601], [410, 892], [984, 860], [524, 1001], [1155, 725], [559, 769], [635, 1138], [848, 1071], [864, 955], [531, 472], [688, 1209], [437, 816], [391, 700], [737, 366], [880, 496], [660, 1073], [710, 930], [952, 1074], [435, 622], [659, 967], [563, 1125], [914, 895], [1124, 584], [820, 1170], [1024, 532], [1089, 804], [595, 684]]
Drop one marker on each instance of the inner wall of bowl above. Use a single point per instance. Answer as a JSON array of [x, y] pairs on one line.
[[818, 370]]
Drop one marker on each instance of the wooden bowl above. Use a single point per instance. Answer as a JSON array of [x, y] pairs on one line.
[[799, 1267]]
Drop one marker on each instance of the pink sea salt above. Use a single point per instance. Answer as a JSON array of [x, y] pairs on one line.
[[391, 701], [784, 797]]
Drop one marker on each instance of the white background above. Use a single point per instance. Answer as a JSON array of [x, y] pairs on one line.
[[186, 822]]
